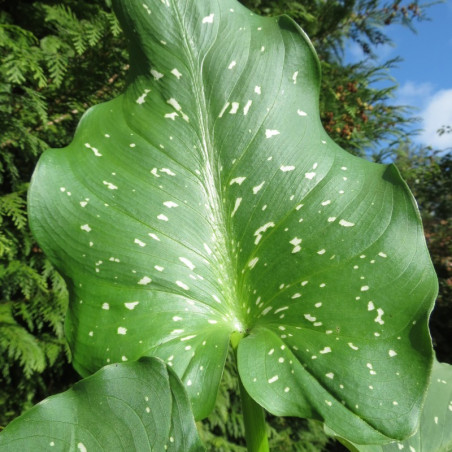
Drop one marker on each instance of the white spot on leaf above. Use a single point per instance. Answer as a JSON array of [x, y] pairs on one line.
[[237, 180], [182, 285], [208, 19], [257, 188], [379, 319], [176, 73], [258, 233], [225, 107], [171, 115], [96, 152], [174, 103], [296, 243], [246, 108], [252, 263], [285, 169], [142, 98], [271, 133], [187, 262], [109, 185], [346, 224], [156, 74], [167, 171], [236, 206]]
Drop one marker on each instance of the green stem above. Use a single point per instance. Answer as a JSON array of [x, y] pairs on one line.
[[253, 413]]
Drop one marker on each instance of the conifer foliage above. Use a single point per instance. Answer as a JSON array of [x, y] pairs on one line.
[[54, 60]]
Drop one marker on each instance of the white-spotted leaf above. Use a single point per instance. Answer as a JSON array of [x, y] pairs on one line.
[[208, 199], [435, 429], [139, 406]]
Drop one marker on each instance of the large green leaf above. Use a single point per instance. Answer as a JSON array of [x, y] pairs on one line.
[[140, 406], [208, 199], [435, 430]]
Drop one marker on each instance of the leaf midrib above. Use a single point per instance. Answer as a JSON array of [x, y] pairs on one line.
[[210, 181]]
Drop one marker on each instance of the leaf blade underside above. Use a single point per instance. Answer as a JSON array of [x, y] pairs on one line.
[[208, 199]]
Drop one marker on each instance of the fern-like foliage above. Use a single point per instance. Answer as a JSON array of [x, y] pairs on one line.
[[53, 64], [13, 205], [33, 300]]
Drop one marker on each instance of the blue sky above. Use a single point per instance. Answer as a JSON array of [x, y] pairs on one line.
[[425, 74]]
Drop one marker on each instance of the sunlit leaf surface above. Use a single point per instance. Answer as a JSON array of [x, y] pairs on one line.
[[208, 199]]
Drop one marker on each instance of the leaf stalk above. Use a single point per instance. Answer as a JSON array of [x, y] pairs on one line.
[[253, 413]]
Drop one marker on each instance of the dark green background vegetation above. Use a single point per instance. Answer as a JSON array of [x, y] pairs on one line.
[[60, 57]]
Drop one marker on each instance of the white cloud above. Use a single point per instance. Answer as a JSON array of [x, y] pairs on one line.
[[437, 113], [415, 94], [433, 108]]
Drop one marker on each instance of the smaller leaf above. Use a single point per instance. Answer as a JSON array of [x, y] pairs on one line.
[[137, 406], [435, 430]]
